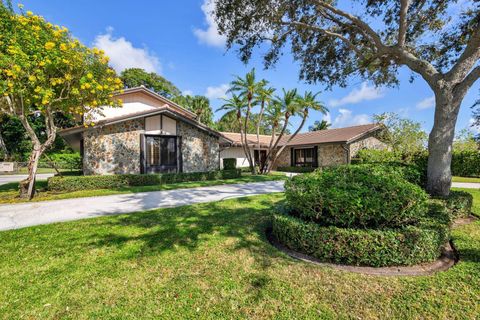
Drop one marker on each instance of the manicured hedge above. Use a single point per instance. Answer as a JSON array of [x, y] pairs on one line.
[[359, 196], [296, 169], [368, 247], [73, 183], [229, 163]]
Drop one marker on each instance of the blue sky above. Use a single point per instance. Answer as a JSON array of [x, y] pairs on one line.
[[178, 40]]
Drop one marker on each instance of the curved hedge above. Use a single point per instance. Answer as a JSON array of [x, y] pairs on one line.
[[363, 247], [358, 196]]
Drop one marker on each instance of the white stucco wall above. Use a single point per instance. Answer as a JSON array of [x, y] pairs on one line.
[[127, 108], [234, 152]]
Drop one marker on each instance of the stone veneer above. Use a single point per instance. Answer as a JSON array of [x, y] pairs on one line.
[[370, 142], [328, 155], [201, 151], [113, 149]]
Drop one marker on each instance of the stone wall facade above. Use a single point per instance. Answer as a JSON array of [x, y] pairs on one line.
[[113, 149], [201, 151], [370, 142], [328, 155]]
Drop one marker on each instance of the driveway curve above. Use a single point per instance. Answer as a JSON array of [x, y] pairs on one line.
[[16, 216]]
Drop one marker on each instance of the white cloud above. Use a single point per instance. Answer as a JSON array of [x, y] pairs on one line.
[[346, 119], [210, 35], [124, 55], [219, 92], [475, 129], [426, 103], [365, 93], [327, 117]]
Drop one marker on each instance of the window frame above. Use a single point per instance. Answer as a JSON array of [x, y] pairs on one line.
[[304, 163]]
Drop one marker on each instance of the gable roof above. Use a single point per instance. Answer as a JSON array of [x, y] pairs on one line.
[[168, 107], [338, 135]]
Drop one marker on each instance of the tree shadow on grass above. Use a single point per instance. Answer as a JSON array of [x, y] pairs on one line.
[[244, 219]]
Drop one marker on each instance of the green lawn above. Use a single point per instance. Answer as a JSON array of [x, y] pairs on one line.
[[465, 179], [210, 261], [9, 192]]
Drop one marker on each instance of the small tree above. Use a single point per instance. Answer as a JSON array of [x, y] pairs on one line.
[[44, 70], [405, 137], [332, 44], [200, 105]]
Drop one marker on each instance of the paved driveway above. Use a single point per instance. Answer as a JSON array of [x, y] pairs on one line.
[[468, 185], [19, 177], [16, 216]]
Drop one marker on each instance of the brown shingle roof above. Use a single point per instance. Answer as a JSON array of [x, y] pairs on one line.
[[339, 135]]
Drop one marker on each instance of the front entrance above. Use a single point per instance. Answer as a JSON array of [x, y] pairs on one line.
[[161, 154], [260, 156]]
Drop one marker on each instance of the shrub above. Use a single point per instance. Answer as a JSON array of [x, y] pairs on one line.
[[73, 183], [296, 169], [229, 163], [67, 160], [371, 155], [358, 196], [466, 163], [458, 204], [403, 246]]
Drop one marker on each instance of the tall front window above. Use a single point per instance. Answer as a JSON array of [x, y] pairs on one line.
[[304, 157], [161, 154]]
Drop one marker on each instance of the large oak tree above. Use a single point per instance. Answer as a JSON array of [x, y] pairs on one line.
[[436, 39]]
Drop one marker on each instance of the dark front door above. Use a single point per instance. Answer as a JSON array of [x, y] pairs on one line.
[[160, 154]]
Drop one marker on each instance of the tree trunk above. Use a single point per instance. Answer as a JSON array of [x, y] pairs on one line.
[[439, 175], [27, 186], [3, 147]]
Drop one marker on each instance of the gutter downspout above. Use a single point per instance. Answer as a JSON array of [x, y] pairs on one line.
[[347, 150]]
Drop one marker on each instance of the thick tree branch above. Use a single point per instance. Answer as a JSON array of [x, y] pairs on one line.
[[469, 80], [329, 33], [467, 59], [402, 30]]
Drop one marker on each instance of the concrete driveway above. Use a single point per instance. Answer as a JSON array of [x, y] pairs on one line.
[[7, 178], [16, 216]]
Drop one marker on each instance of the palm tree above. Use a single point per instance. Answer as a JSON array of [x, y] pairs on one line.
[[236, 104], [247, 88], [319, 125], [200, 105], [300, 106], [264, 97]]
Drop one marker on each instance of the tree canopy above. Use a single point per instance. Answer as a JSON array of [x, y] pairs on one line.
[[319, 125], [135, 77]]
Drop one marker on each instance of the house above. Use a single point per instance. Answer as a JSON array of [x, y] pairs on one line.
[[312, 149], [149, 134]]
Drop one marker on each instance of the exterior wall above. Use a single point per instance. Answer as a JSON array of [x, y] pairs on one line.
[[113, 149], [370, 142], [200, 150], [234, 152], [328, 155]]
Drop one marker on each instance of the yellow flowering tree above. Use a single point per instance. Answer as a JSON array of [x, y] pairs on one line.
[[44, 70]]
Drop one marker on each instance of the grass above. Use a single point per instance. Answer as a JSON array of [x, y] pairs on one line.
[[465, 179], [210, 261], [9, 191]]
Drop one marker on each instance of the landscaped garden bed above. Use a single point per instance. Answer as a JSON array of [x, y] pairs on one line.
[[366, 215]]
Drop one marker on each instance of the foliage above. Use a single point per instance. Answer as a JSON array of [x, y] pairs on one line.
[[66, 160], [46, 71], [458, 204], [296, 169], [407, 245], [319, 125], [376, 156], [403, 136], [71, 183], [135, 77], [200, 105], [356, 196], [465, 141], [229, 163]]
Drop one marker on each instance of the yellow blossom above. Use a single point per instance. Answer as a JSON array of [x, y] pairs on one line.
[[63, 46], [10, 84], [68, 77], [49, 45], [90, 76], [29, 13], [32, 78], [42, 63]]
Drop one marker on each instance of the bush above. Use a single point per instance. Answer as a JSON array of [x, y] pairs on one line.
[[296, 169], [375, 156], [466, 163], [229, 163], [73, 183], [458, 204], [403, 246], [67, 160], [358, 196]]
